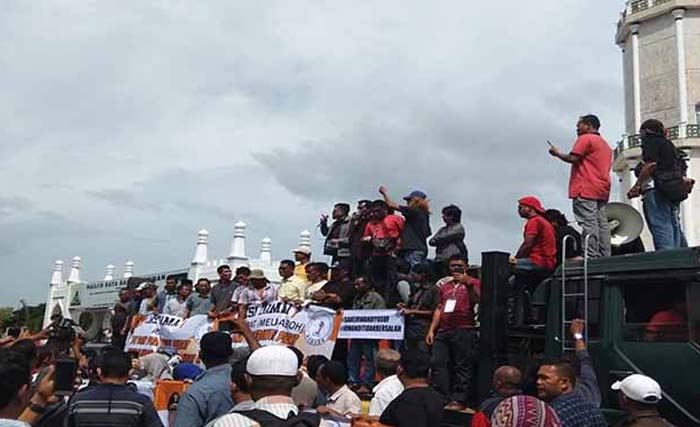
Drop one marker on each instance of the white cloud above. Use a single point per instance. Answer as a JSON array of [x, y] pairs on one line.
[[133, 124]]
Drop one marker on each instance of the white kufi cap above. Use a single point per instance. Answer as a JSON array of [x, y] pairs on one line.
[[273, 360]]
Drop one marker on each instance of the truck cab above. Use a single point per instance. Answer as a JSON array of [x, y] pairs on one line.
[[642, 313]]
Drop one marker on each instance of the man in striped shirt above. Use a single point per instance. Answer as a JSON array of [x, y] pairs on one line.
[[112, 402]]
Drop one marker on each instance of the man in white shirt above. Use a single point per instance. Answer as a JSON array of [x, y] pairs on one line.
[[148, 303], [317, 272], [390, 386], [272, 373], [342, 402], [178, 306]]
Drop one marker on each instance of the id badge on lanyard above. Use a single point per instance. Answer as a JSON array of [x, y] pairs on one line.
[[450, 305]]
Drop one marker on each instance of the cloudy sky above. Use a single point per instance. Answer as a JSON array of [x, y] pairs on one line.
[[127, 126]]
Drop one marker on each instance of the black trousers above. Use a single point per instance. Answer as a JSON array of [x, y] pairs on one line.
[[454, 354], [118, 341], [413, 346]]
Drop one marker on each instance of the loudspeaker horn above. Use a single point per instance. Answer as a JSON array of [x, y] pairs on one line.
[[626, 224]]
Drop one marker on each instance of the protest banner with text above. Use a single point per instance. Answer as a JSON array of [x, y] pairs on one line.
[[372, 324]]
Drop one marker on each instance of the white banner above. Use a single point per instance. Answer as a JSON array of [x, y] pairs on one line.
[[174, 334], [313, 329], [372, 324]]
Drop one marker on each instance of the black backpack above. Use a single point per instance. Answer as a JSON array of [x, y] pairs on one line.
[[266, 419], [670, 182]]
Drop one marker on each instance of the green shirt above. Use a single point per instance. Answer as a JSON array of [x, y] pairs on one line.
[[369, 301]]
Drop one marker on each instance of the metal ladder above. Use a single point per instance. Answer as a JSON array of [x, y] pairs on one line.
[[568, 296]]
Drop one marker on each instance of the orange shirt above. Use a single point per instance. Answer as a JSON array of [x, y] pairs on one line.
[[590, 179]]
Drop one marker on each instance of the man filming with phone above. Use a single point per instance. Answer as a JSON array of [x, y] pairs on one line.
[[452, 335]]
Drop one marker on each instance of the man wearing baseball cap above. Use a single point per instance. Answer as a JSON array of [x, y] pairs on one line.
[[414, 236], [271, 372], [639, 397], [536, 257]]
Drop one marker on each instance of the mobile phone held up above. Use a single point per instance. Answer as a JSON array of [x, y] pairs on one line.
[[64, 376]]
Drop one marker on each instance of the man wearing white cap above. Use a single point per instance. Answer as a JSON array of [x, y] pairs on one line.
[[302, 256], [272, 373], [639, 397], [148, 303]]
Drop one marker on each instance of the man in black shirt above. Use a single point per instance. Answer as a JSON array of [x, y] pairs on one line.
[[418, 313], [120, 319], [563, 229], [662, 184], [419, 405], [415, 233], [337, 244]]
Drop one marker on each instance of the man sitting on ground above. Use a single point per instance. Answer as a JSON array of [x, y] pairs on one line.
[[390, 386], [272, 373], [112, 402], [506, 383], [639, 397], [555, 385], [419, 405], [210, 395], [342, 401]]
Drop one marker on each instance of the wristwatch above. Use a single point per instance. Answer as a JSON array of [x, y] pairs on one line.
[[37, 409], [578, 336]]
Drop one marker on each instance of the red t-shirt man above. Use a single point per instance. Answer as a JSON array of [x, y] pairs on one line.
[[387, 228], [590, 179], [544, 253]]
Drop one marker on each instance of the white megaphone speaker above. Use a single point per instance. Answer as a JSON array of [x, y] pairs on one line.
[[626, 224]]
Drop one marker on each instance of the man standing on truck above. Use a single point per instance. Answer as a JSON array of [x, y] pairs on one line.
[[589, 185], [663, 185], [452, 335]]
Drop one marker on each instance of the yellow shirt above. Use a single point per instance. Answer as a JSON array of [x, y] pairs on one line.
[[300, 272], [293, 288]]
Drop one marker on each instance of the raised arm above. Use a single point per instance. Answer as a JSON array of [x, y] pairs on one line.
[[385, 194]]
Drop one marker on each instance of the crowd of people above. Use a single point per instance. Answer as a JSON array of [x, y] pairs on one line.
[[378, 259]]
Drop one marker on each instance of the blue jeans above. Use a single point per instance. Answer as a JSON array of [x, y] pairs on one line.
[[663, 220], [360, 349], [414, 257]]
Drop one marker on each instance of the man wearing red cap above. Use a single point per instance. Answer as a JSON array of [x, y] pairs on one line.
[[536, 257]]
